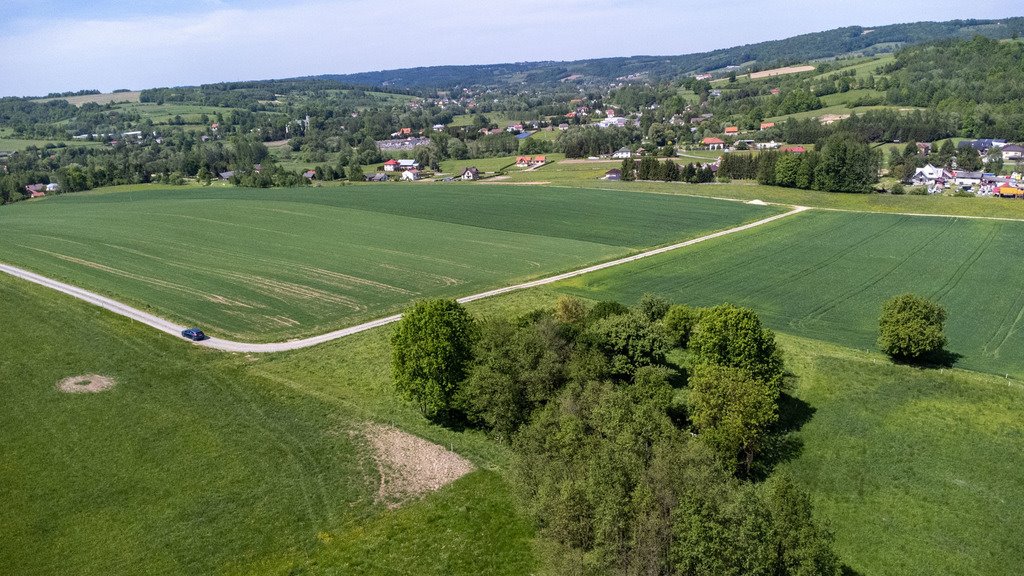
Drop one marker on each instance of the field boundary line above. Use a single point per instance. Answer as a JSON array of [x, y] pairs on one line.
[[920, 214], [169, 327]]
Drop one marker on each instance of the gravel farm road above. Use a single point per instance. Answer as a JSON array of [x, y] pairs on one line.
[[232, 346]]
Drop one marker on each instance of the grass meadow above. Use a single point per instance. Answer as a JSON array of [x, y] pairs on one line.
[[824, 275], [273, 264], [200, 463]]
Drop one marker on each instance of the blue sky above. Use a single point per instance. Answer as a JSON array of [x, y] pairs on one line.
[[59, 45]]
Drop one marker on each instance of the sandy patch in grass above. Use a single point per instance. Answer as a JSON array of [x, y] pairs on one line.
[[410, 466], [85, 384]]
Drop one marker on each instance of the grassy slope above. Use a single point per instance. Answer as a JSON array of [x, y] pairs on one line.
[[825, 275], [279, 263], [917, 471], [200, 463]]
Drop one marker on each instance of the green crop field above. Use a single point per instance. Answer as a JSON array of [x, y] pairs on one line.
[[825, 275], [272, 264]]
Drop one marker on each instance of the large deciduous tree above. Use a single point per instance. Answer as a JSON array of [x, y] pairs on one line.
[[728, 335], [430, 351], [733, 411], [911, 328]]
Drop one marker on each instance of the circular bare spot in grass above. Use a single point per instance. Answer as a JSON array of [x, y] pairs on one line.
[[89, 383]]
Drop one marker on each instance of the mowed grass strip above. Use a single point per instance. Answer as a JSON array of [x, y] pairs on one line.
[[269, 265], [824, 275]]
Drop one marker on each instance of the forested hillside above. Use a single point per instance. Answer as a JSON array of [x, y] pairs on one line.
[[841, 41]]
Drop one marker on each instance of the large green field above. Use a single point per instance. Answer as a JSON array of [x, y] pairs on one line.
[[824, 275], [198, 462], [202, 463], [272, 264]]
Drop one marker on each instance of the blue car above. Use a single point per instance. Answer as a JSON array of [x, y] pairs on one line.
[[194, 334]]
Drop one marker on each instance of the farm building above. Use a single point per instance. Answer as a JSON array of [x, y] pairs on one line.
[[470, 173], [309, 174], [391, 165], [767, 125], [964, 178], [613, 174], [411, 175]]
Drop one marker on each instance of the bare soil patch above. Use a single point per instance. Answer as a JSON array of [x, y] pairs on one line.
[[520, 183], [410, 466], [780, 71], [87, 383]]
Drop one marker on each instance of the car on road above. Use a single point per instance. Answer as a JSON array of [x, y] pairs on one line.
[[194, 334]]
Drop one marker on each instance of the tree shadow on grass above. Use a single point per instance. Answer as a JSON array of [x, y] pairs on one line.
[[847, 571], [941, 359], [783, 444]]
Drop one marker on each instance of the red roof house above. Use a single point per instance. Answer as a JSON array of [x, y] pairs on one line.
[[731, 130], [391, 165], [767, 125], [794, 149]]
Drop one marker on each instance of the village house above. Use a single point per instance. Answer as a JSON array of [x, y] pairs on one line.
[[613, 174], [793, 149], [309, 174], [470, 173], [731, 130], [1012, 153], [713, 143], [931, 176], [36, 190], [982, 145], [767, 125], [623, 153], [411, 175]]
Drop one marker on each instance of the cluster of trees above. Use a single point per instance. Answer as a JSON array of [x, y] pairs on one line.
[[841, 163], [593, 141], [170, 162], [618, 473], [649, 168]]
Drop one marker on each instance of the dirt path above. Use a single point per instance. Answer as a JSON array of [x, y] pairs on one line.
[[232, 346]]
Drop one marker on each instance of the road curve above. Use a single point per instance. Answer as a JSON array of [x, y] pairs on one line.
[[232, 346]]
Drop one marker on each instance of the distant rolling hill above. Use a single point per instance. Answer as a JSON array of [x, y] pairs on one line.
[[818, 45]]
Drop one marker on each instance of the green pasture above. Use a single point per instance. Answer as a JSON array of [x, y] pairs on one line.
[[501, 119], [455, 167], [825, 275], [916, 471], [862, 67], [20, 144], [197, 462], [273, 264]]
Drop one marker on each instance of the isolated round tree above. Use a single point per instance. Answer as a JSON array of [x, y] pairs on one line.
[[430, 350], [911, 328]]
